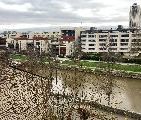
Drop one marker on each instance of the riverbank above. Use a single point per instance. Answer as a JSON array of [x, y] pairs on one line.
[[116, 73], [88, 63], [96, 67], [104, 65]]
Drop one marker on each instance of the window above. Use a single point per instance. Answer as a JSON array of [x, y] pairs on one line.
[[91, 44], [91, 40], [37, 43], [102, 48], [83, 44], [136, 40], [101, 36], [113, 35], [136, 35], [123, 44], [102, 40], [83, 36], [102, 44], [124, 40], [83, 40], [113, 44], [125, 35], [113, 40], [123, 48], [112, 48], [12, 42], [91, 48], [91, 36]]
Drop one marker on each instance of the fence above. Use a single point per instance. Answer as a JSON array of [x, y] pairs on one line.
[[27, 96]]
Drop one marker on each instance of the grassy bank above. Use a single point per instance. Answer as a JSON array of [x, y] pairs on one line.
[[103, 65], [18, 57], [88, 64]]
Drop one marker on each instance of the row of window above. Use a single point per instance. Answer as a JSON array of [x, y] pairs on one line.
[[92, 41], [111, 40], [124, 40], [92, 36], [124, 44], [89, 44], [103, 36], [110, 44], [91, 48], [114, 49], [125, 35], [136, 40], [136, 35], [113, 44]]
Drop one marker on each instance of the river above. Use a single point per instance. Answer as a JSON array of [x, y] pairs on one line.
[[123, 93]]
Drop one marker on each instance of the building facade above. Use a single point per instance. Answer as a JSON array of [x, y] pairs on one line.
[[119, 40]]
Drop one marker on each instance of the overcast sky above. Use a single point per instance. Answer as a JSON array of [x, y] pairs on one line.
[[44, 13]]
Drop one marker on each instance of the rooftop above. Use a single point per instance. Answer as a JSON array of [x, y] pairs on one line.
[[34, 38]]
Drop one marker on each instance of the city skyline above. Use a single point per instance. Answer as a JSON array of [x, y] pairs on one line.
[[22, 14]]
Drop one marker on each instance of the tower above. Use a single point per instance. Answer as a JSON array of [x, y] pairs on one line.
[[135, 16]]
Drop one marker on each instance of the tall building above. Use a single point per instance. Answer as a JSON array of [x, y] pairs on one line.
[[135, 16]]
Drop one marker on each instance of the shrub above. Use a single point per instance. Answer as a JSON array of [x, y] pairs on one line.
[[91, 56]]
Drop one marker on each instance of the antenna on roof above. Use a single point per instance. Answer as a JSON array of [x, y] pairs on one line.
[[81, 23]]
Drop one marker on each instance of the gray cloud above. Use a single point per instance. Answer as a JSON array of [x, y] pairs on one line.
[[60, 11]]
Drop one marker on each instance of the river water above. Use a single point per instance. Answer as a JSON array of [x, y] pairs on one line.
[[121, 93]]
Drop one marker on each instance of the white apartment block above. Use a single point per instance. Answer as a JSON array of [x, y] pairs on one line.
[[62, 40], [39, 43], [13, 37], [97, 41]]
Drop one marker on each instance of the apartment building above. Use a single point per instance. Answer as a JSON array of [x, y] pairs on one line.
[[38, 44], [22, 41], [68, 38], [118, 40]]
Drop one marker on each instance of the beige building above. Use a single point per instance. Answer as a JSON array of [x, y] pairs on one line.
[[37, 43], [119, 41]]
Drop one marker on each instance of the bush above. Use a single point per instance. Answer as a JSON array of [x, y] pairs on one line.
[[91, 56], [61, 56], [136, 61]]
